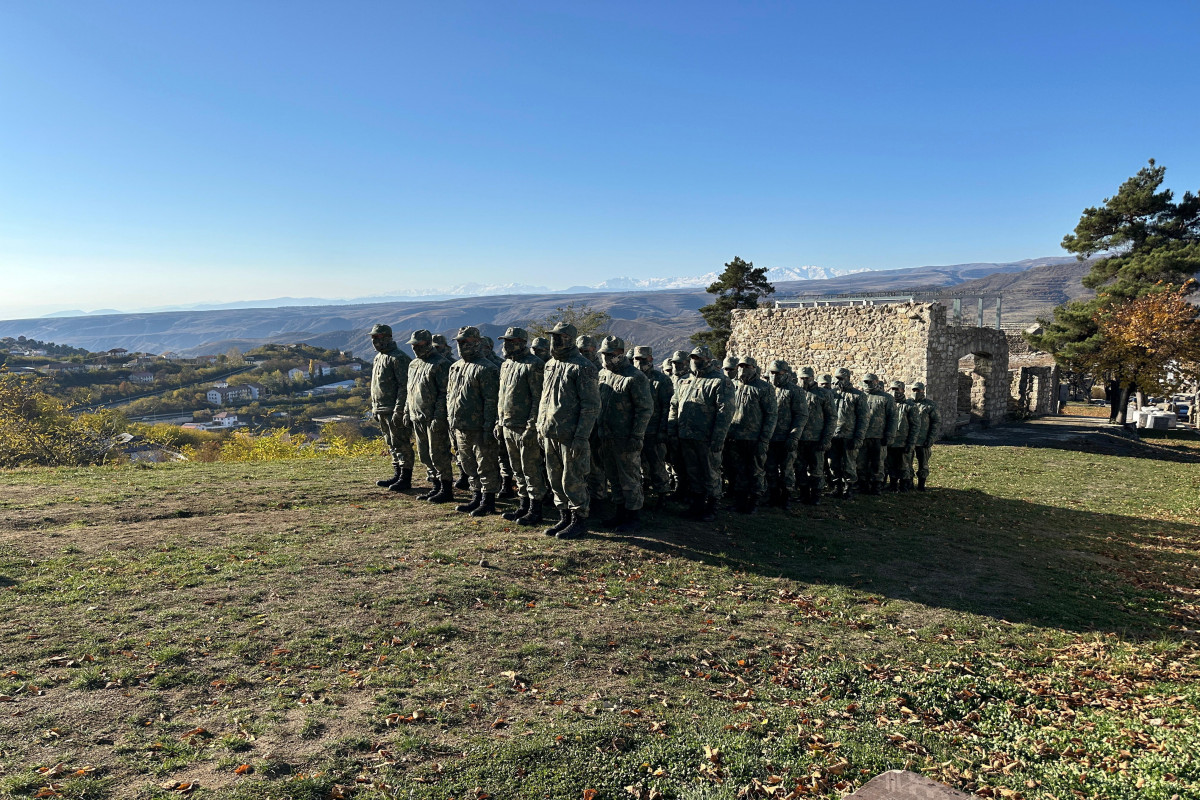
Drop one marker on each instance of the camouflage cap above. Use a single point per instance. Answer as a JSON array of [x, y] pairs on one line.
[[467, 332], [842, 372], [730, 362], [826, 378], [779, 365], [420, 336], [702, 352], [808, 372], [747, 361], [540, 343], [487, 340], [612, 344], [565, 329], [381, 330], [918, 387], [870, 377], [585, 343], [897, 384], [440, 339], [666, 365], [679, 355], [641, 351], [516, 333]]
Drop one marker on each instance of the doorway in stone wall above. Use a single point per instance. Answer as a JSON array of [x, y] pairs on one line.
[[974, 375]]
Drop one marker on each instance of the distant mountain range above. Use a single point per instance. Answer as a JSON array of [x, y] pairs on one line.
[[663, 319]]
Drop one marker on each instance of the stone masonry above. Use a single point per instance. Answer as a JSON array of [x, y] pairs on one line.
[[906, 341]]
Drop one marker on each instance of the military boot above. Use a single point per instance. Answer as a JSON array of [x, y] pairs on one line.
[[509, 491], [564, 519], [488, 506], [444, 494], [876, 488], [534, 515], [630, 523], [466, 508], [434, 488], [577, 528], [847, 492], [463, 481], [920, 483], [387, 482], [616, 519], [518, 512], [906, 484], [404, 483], [708, 509]]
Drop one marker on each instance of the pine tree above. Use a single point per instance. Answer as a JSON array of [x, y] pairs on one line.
[[741, 285]]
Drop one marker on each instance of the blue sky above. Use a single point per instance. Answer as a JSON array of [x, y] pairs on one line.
[[160, 153]]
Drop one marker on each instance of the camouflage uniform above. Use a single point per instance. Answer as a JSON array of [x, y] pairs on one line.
[[516, 424], [443, 347], [851, 405], [701, 410], [471, 401], [730, 367], [790, 420], [541, 348], [626, 405], [900, 451], [680, 369], [816, 437], [881, 427], [428, 377], [597, 486], [654, 446], [389, 389], [750, 432], [566, 416], [508, 476], [927, 430]]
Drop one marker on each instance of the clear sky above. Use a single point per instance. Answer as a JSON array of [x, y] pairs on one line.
[[154, 153]]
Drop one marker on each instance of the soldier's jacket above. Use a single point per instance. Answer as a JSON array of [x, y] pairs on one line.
[[822, 417], [928, 421], [472, 394], [881, 416], [851, 405], [661, 389], [906, 425], [570, 398], [520, 391], [754, 411], [792, 415], [702, 407], [428, 379], [626, 404], [389, 379], [491, 356]]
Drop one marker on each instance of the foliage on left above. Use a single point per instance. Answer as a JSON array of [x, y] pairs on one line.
[[279, 445], [38, 429]]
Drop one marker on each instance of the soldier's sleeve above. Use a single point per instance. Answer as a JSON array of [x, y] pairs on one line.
[[770, 413], [540, 410], [441, 382], [862, 415], [830, 415], [891, 419], [935, 421], [910, 441], [489, 386], [402, 364], [798, 399], [724, 412], [664, 403], [673, 410], [588, 388], [535, 375], [643, 405]]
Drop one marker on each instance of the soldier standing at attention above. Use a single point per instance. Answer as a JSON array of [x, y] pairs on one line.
[[570, 405], [626, 406], [597, 487], [826, 383], [701, 410], [508, 479], [471, 402], [541, 348], [516, 424], [927, 431], [681, 368], [791, 416], [750, 432], [900, 452], [389, 392], [443, 348], [848, 436], [816, 437], [654, 446], [428, 378], [730, 367], [881, 427]]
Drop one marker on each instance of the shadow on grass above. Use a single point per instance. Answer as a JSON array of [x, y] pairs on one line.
[[968, 551], [1178, 446], [6, 581]]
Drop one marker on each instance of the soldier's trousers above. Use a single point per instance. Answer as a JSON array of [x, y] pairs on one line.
[[870, 461], [843, 462], [398, 438], [623, 471], [568, 469], [675, 456], [478, 457], [595, 477], [433, 446], [922, 454], [528, 463], [811, 470], [899, 464], [780, 456], [654, 465], [702, 467], [749, 476]]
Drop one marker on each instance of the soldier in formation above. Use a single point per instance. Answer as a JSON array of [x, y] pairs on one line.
[[389, 388], [425, 411], [790, 419], [626, 406], [654, 446], [750, 430], [471, 404], [516, 424], [900, 451], [701, 410]]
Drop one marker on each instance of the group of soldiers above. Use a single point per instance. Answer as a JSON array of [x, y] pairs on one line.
[[560, 421]]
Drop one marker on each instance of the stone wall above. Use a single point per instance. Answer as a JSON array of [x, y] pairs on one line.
[[988, 369]]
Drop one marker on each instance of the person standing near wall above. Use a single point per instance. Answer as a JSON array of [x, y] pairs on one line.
[[927, 431], [389, 392]]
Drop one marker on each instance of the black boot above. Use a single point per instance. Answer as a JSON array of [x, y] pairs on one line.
[[708, 509], [471, 506], [518, 512], [847, 492], [463, 481], [577, 528], [386, 482], [534, 515], [630, 523], [509, 491], [405, 482], [488, 506], [815, 495], [444, 494], [434, 487], [920, 483], [616, 519], [906, 484], [564, 520], [875, 489]]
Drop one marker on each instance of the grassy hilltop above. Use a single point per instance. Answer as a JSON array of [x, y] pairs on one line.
[[1026, 629]]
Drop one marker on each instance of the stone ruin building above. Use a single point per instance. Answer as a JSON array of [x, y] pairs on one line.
[[966, 368]]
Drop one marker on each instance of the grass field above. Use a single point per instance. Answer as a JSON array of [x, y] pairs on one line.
[[1027, 628]]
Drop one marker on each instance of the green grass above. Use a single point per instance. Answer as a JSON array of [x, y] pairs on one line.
[[1026, 628]]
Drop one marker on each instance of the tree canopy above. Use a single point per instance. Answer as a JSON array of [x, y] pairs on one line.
[[588, 321], [741, 285]]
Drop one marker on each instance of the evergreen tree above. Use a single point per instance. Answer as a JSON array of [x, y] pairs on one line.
[[741, 285]]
